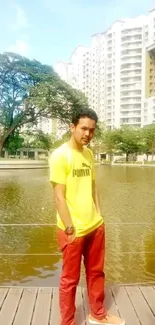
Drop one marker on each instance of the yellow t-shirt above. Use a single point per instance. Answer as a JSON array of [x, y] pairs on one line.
[[75, 169]]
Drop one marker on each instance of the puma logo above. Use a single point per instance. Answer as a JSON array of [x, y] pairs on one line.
[[85, 165]]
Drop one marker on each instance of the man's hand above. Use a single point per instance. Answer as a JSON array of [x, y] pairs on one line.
[[71, 238]]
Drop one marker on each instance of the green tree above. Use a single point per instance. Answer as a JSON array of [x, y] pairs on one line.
[[30, 90], [148, 140], [14, 142], [38, 139], [97, 144], [110, 139], [129, 141]]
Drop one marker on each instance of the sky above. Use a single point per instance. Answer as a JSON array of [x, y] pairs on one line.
[[49, 30]]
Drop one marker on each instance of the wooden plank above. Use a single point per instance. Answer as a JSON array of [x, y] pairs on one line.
[[125, 306], [142, 309], [42, 307], [80, 315], [134, 304], [10, 306], [55, 312], [3, 294], [110, 302], [26, 306], [149, 295]]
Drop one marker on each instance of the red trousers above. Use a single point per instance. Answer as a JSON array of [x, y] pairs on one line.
[[92, 248]]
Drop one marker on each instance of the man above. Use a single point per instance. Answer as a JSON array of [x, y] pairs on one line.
[[79, 220]]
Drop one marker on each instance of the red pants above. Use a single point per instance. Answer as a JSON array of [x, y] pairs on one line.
[[92, 247]]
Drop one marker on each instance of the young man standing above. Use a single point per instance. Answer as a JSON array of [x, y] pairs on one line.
[[80, 224]]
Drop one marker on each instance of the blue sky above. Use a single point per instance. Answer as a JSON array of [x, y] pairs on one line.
[[49, 30]]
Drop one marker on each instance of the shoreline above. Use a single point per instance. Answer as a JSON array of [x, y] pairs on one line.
[[126, 165], [134, 165], [23, 164], [42, 164]]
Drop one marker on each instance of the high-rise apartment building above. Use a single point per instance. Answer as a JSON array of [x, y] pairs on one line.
[[117, 72]]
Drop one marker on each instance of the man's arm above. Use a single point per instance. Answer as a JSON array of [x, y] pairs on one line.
[[61, 205], [58, 177], [96, 197]]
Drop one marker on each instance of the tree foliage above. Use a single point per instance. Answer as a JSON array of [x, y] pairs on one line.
[[129, 141], [38, 139], [14, 142], [126, 140], [111, 139], [30, 90], [97, 144], [148, 139]]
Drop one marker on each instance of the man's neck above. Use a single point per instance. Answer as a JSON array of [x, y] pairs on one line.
[[74, 145]]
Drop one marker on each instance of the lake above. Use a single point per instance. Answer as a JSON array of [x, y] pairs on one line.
[[29, 253]]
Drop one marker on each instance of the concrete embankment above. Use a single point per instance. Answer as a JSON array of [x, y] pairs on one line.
[[23, 164], [133, 165]]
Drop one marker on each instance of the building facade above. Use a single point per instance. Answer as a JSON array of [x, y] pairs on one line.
[[117, 72]]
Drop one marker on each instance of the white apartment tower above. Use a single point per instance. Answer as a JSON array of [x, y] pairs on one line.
[[117, 72]]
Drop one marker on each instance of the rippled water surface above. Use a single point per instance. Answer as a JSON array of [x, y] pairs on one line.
[[29, 254]]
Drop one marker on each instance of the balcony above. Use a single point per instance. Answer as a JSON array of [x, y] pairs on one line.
[[130, 81], [130, 105], [130, 32], [131, 46], [130, 121], [136, 99], [131, 109], [128, 53], [131, 60], [130, 114], [130, 95], [130, 40], [130, 67], [130, 64], [133, 87], [131, 74]]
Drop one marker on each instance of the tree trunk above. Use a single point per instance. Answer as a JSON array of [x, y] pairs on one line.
[[111, 157], [1, 148], [127, 157], [4, 137]]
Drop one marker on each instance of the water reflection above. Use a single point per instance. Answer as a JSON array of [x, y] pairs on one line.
[[38, 255], [128, 204], [30, 270], [150, 258]]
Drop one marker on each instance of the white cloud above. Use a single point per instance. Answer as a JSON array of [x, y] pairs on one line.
[[20, 47], [21, 20]]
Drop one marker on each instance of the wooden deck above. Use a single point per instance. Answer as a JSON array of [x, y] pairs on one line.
[[39, 306]]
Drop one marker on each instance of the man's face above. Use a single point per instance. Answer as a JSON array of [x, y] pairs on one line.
[[83, 132]]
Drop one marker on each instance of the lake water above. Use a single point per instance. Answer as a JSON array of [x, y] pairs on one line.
[[29, 255]]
